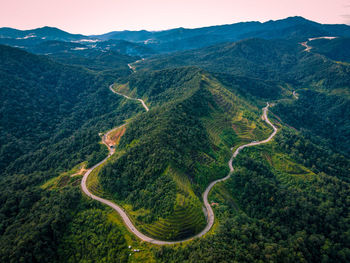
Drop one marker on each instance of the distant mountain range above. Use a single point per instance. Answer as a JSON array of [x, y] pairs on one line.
[[145, 43]]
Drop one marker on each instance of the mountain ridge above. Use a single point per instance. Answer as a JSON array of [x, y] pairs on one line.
[[178, 39]]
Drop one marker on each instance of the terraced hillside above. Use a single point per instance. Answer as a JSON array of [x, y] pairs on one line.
[[185, 221]]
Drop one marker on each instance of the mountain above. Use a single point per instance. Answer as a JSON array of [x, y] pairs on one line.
[[50, 95], [282, 61], [258, 58], [134, 36], [171, 146], [55, 46], [75, 49], [93, 59], [47, 33]]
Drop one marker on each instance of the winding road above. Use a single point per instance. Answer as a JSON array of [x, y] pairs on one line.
[[210, 212]]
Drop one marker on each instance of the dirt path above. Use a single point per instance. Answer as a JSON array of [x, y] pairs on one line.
[[125, 96]]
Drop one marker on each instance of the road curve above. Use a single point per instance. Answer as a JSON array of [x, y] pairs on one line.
[[210, 218], [295, 95], [210, 212]]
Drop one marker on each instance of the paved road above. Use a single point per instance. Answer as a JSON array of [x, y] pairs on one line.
[[209, 210]]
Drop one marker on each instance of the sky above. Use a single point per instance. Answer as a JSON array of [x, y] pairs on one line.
[[102, 16]]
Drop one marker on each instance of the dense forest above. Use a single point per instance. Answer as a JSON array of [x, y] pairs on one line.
[[336, 49], [51, 110], [273, 60], [326, 115], [278, 218], [51, 115]]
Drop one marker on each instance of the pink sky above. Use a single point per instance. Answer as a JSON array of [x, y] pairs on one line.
[[101, 16]]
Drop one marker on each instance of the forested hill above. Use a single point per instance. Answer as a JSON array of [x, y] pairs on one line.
[[169, 155], [285, 64], [336, 49], [44, 103]]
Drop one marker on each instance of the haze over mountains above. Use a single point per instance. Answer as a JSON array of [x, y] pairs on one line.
[[286, 201]]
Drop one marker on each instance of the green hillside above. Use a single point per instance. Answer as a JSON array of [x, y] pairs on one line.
[[266, 69], [171, 153], [336, 49]]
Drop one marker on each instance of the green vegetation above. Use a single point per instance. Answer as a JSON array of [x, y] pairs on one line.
[[91, 236], [314, 154], [51, 111], [32, 219], [323, 114], [336, 49], [95, 60], [287, 200], [186, 220], [51, 115], [276, 214]]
